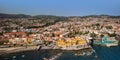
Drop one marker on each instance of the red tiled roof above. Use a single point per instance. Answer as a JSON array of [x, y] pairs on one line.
[[16, 33]]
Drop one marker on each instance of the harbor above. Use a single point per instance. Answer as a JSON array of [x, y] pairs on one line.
[[59, 30], [101, 53]]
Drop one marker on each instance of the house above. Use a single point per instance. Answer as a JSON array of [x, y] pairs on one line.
[[16, 37]]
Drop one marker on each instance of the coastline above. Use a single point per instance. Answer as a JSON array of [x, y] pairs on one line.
[[4, 51]]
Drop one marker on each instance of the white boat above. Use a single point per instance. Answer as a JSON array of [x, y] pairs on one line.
[[80, 54], [23, 56], [96, 56], [14, 57]]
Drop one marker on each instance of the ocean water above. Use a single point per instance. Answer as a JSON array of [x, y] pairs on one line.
[[101, 53], [108, 53]]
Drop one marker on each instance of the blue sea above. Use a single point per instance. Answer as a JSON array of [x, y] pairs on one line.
[[101, 53]]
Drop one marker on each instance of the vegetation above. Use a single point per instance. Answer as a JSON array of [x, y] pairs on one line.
[[93, 35], [112, 35], [101, 35], [14, 16], [109, 27], [4, 41]]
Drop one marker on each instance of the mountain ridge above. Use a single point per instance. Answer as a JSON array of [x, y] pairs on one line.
[[4, 15]]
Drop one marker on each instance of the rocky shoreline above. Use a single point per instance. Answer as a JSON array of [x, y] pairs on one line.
[[7, 51]]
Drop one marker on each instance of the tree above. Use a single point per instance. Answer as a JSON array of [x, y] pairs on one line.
[[112, 35], [101, 35], [97, 24], [109, 27], [71, 35], [52, 34], [93, 35], [4, 41], [80, 33], [86, 32]]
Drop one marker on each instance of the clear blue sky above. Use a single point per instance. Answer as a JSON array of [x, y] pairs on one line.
[[60, 7]]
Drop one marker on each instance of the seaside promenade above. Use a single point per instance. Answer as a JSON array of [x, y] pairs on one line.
[[20, 49], [16, 49]]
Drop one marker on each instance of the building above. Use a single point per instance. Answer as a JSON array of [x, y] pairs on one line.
[[73, 43], [107, 41]]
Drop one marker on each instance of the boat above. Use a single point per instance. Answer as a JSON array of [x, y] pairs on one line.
[[23, 56], [54, 57], [96, 56], [79, 54], [45, 59], [88, 53], [14, 57]]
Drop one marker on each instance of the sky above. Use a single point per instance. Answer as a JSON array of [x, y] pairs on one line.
[[61, 7]]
